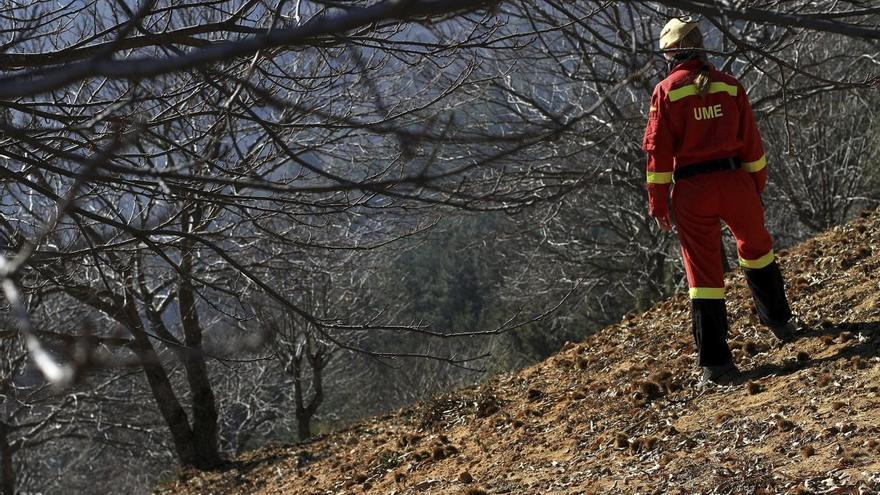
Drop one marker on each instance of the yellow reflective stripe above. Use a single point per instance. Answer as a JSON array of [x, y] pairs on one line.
[[679, 93], [758, 263], [756, 165], [720, 87], [706, 292], [691, 90], [659, 177]]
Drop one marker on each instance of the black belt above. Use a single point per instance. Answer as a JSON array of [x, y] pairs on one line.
[[731, 163]]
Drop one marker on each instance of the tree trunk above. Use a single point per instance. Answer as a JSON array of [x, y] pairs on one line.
[[204, 407], [170, 408], [7, 468], [123, 309], [303, 422], [305, 413], [303, 425], [160, 385]]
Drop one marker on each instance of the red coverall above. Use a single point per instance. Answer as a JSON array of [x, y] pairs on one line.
[[685, 129]]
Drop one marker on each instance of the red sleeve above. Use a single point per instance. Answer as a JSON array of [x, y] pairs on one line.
[[658, 143], [752, 152]]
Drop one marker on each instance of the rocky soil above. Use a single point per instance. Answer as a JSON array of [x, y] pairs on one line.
[[622, 412]]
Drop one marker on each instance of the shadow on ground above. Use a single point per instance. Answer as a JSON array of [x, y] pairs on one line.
[[866, 349]]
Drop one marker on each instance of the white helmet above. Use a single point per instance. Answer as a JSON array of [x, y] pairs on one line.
[[676, 29]]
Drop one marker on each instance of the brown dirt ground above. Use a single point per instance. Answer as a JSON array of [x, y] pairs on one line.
[[621, 411]]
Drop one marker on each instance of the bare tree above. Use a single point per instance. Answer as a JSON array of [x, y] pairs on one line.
[[161, 164], [331, 287]]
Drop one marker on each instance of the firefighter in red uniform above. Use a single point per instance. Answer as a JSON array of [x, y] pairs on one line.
[[702, 136]]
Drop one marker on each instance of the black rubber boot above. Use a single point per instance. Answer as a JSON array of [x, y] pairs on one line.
[[785, 333], [768, 292], [724, 374], [709, 326]]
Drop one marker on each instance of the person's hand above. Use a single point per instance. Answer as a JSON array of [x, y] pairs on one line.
[[664, 223]]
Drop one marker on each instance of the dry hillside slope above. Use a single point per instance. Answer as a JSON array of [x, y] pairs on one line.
[[621, 412]]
